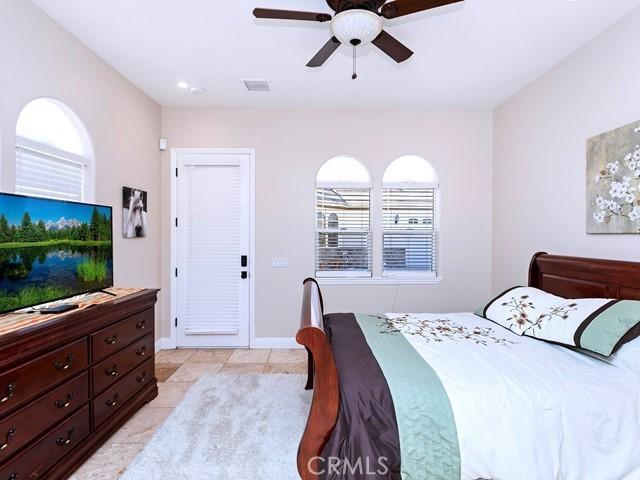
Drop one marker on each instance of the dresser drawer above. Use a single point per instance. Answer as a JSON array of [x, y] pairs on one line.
[[39, 416], [110, 370], [111, 400], [48, 450], [111, 339], [24, 382]]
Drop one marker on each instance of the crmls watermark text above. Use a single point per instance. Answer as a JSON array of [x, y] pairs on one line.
[[343, 466]]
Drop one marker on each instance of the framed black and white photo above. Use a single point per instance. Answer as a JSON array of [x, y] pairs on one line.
[[134, 213]]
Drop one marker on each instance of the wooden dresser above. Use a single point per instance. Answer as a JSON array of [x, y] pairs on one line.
[[67, 382]]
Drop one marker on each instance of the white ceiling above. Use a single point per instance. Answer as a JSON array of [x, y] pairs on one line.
[[475, 54]]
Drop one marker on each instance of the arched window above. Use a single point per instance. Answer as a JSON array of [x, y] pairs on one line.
[[343, 230], [409, 217], [54, 155]]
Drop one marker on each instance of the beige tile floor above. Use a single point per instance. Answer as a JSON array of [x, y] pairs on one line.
[[177, 370]]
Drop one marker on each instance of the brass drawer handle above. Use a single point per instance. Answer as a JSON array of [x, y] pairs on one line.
[[112, 403], [11, 390], [141, 351], [141, 378], [112, 372], [141, 325], [9, 437], [62, 403], [111, 340], [63, 442], [66, 365], [13, 476]]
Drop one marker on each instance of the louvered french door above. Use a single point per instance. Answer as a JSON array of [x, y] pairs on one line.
[[212, 249]]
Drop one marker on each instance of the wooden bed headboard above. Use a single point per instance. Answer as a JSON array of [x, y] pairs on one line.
[[575, 277]]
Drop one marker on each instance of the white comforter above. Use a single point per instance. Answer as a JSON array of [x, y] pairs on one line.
[[529, 410]]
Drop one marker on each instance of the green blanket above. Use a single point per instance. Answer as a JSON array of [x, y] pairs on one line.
[[426, 426]]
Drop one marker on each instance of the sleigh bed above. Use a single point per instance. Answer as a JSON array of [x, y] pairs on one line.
[[463, 398]]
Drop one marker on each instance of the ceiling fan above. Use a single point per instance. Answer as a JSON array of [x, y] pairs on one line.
[[358, 22]]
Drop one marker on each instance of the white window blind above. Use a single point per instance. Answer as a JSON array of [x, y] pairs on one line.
[[45, 175], [343, 234], [211, 250], [410, 238]]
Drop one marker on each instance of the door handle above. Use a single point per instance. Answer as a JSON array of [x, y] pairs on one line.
[[244, 275]]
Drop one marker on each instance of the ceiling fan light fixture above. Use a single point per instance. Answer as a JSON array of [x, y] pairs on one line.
[[359, 26]]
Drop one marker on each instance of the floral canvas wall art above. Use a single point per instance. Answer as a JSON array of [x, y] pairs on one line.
[[613, 181]]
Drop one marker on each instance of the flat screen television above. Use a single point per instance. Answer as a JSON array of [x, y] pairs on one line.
[[52, 249]]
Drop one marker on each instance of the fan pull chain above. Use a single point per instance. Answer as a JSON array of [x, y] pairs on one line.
[[355, 63]]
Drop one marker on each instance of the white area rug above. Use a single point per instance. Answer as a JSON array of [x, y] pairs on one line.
[[231, 427]]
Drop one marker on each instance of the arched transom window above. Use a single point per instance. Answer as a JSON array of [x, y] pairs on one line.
[[409, 217], [343, 227], [54, 155]]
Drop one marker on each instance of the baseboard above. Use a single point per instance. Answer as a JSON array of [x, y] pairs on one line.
[[275, 343], [258, 343], [163, 344]]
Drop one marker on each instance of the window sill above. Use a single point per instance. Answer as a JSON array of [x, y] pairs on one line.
[[381, 281]]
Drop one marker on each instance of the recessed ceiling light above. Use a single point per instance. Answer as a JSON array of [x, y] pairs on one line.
[[196, 90], [183, 85]]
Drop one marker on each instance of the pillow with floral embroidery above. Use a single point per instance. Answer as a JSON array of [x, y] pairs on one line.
[[599, 325], [518, 308]]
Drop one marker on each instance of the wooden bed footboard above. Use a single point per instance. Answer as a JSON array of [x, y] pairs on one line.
[[323, 379]]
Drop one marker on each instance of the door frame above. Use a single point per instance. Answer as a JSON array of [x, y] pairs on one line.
[[175, 152]]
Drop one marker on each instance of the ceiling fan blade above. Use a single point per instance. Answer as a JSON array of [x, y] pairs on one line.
[[400, 8], [392, 47], [324, 53], [291, 15]]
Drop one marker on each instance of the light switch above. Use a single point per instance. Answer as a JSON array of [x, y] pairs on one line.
[[280, 262]]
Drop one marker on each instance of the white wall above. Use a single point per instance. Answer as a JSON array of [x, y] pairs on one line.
[[40, 59], [537, 140], [539, 183], [291, 145]]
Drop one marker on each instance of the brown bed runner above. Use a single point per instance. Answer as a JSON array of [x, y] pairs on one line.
[[364, 444]]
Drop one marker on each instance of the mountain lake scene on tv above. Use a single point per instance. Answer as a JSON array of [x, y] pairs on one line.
[[50, 250]]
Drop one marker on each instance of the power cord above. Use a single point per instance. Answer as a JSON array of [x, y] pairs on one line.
[[395, 298]]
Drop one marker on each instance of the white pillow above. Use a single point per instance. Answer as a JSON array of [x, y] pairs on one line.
[[599, 325], [519, 308], [561, 322]]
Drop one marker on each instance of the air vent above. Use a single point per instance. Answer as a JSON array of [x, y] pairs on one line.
[[257, 85]]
